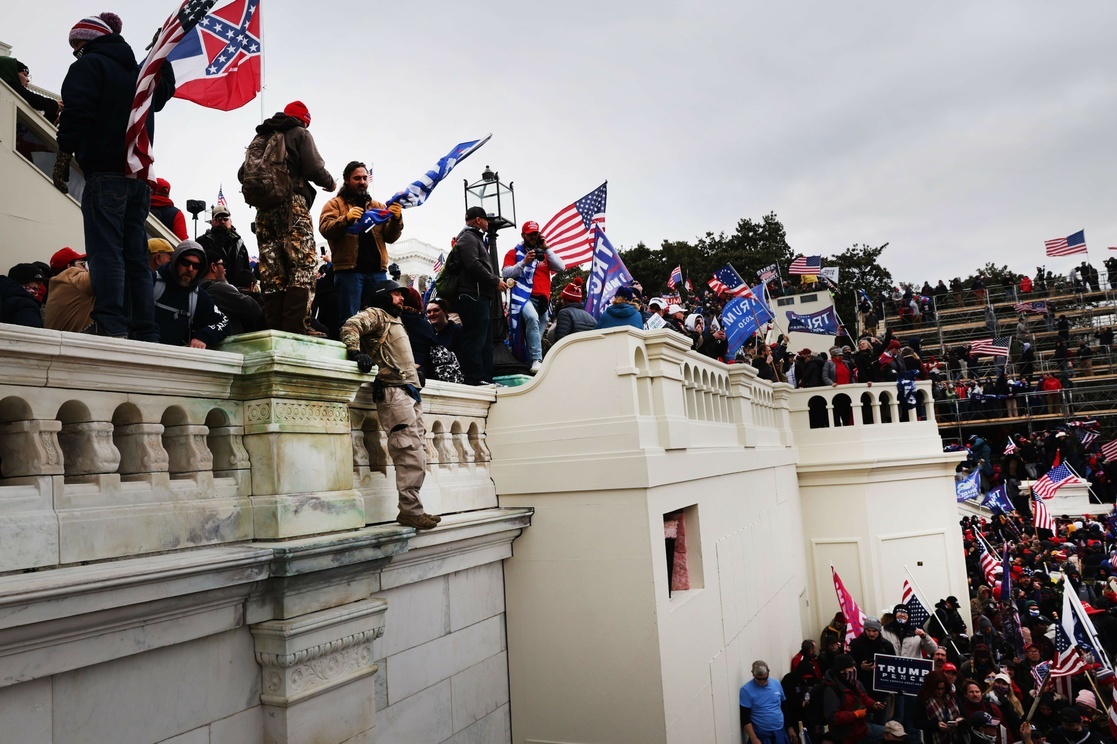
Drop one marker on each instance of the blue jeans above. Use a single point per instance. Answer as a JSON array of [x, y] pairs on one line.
[[350, 284], [533, 330], [772, 737], [477, 339], [115, 209]]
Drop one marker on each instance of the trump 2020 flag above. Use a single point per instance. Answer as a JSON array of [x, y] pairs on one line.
[[997, 499], [968, 487], [743, 316], [855, 618], [823, 322], [607, 274], [217, 64], [419, 191]]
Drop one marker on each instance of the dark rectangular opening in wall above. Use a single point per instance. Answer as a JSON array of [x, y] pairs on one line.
[[785, 301]]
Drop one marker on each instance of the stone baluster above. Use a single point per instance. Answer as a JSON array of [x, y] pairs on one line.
[[442, 448], [89, 448], [30, 448], [141, 449], [187, 449], [462, 446], [226, 444]]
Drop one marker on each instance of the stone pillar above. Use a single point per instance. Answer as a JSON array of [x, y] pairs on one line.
[[297, 431], [187, 449], [89, 448], [317, 672], [227, 448], [141, 449]]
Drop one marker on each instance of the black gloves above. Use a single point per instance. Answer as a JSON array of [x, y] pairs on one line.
[[364, 361]]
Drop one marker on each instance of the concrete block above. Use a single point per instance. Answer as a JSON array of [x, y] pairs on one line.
[[417, 613], [422, 666], [476, 594], [336, 715], [246, 727], [25, 712], [479, 690], [423, 718], [495, 728], [116, 701]]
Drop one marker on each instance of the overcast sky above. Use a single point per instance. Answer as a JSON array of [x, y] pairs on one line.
[[959, 132]]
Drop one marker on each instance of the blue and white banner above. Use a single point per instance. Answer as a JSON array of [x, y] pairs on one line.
[[521, 295], [823, 322], [743, 317], [607, 274], [968, 487], [997, 499], [418, 191]]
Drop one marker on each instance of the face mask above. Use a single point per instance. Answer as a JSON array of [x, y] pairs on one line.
[[849, 674], [38, 291]]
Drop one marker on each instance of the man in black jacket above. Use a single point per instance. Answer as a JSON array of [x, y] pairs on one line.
[[223, 238], [98, 91], [478, 297], [245, 314], [185, 314]]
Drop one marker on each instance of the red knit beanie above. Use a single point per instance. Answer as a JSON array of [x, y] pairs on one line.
[[572, 292], [298, 110]]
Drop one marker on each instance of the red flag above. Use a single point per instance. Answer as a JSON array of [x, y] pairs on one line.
[[855, 618]]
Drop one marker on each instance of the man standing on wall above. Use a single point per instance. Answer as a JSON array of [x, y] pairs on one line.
[[478, 295], [376, 336]]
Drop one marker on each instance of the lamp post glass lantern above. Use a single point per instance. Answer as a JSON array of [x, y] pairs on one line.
[[496, 198]]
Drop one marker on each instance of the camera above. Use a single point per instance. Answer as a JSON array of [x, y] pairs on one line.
[[540, 253], [195, 207]]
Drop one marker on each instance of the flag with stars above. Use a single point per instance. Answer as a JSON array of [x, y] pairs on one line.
[[676, 277], [137, 137], [570, 233], [726, 281], [218, 63], [1053, 480], [221, 201], [987, 561], [1068, 661], [917, 612], [437, 268]]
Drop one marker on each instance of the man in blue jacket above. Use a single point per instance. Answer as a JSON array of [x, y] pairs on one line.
[[98, 90]]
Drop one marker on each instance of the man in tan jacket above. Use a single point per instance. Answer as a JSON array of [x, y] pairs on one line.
[[70, 297], [359, 260], [376, 336]]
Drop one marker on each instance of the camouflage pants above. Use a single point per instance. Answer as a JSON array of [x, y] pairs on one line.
[[288, 258]]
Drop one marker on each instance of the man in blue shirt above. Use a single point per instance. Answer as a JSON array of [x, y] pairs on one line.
[[762, 702]]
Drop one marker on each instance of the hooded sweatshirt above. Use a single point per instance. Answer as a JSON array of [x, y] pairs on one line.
[[172, 304], [620, 314]]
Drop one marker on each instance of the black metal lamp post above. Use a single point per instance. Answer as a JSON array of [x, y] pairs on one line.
[[499, 202]]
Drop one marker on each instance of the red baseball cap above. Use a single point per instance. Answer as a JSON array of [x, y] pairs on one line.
[[530, 227], [63, 258], [948, 667]]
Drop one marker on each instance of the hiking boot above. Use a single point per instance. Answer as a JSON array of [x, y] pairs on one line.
[[435, 517], [418, 521]]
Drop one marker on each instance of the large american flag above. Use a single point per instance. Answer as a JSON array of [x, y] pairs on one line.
[[990, 346], [806, 265], [1067, 246], [726, 280], [855, 618], [1043, 520], [570, 232], [1067, 659], [137, 139], [917, 612], [987, 561], [1053, 480]]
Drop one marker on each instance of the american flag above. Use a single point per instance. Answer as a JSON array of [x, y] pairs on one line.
[[1035, 306], [917, 612], [726, 280], [221, 197], [806, 265], [676, 277], [855, 618], [988, 562], [438, 263], [1053, 480], [1086, 436], [1109, 450], [1043, 520], [137, 139], [1039, 673], [1068, 661], [990, 346], [570, 232], [1067, 246], [1011, 448]]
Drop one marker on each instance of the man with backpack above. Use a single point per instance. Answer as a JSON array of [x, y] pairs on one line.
[[280, 168], [184, 313]]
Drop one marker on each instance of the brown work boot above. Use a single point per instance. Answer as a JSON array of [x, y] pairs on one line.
[[418, 521], [435, 517]]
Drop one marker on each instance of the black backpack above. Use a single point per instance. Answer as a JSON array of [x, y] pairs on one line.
[[265, 179], [449, 279], [813, 708]]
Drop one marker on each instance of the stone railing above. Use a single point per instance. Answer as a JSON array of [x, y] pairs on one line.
[[114, 448]]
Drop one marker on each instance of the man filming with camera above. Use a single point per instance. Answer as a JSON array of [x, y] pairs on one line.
[[530, 264]]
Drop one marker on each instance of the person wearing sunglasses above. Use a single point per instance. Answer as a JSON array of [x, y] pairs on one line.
[[184, 313]]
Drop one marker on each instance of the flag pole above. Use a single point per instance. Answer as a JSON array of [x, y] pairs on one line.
[[918, 591], [263, 63]]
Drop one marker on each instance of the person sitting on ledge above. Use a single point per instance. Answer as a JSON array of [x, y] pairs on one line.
[[185, 314]]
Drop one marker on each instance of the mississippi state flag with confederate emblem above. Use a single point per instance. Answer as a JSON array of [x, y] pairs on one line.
[[217, 64]]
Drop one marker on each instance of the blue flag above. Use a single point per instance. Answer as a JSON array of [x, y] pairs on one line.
[[823, 322], [418, 191], [743, 317], [969, 487], [997, 499], [607, 274]]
